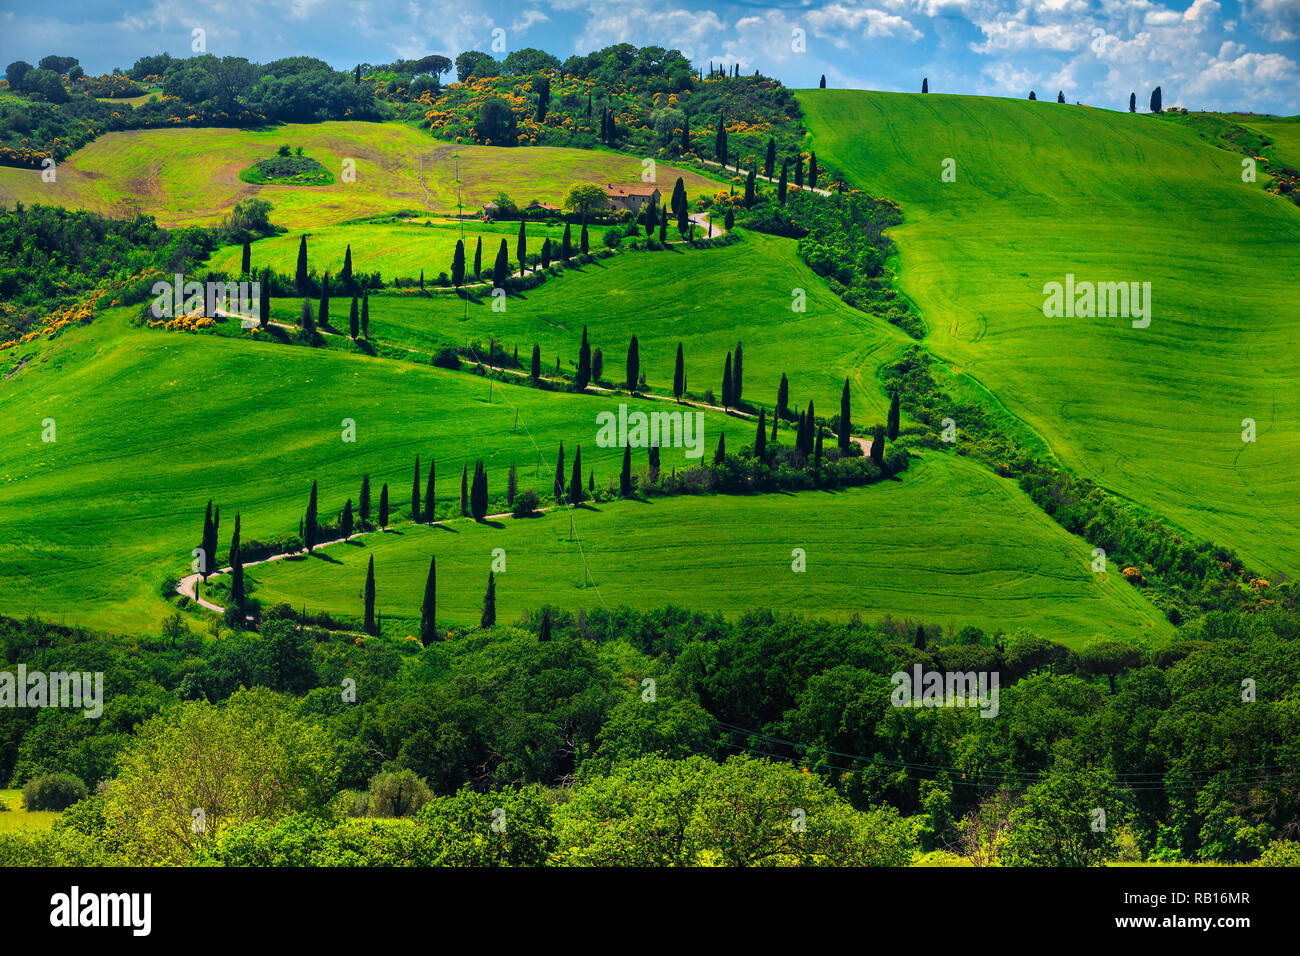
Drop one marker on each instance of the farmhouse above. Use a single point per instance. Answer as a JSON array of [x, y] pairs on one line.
[[631, 198]]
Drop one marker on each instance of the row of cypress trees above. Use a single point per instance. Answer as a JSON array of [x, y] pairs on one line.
[[428, 606]]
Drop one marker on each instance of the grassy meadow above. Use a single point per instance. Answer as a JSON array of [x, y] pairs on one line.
[[185, 177], [394, 248], [1155, 414], [707, 299], [150, 425], [948, 543]]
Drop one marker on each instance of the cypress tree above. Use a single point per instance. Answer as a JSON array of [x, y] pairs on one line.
[[679, 374], [429, 607], [760, 437], [478, 259], [544, 629], [726, 382], [356, 76], [309, 528], [478, 497], [775, 419], [823, 82], [345, 276], [625, 474], [845, 424], [354, 320], [237, 596], [536, 371], [720, 142], [679, 196], [1132, 102], [812, 171], [663, 227], [683, 220], [798, 171], [584, 241], [415, 490], [919, 641], [782, 184], [738, 374], [583, 376], [300, 275], [925, 84], [651, 218], [730, 219], [654, 460], [782, 397], [346, 522], [633, 365], [1060, 96], [686, 135], [810, 425], [430, 502], [558, 490], [264, 300], [365, 316], [305, 320], [893, 417], [1032, 96], [490, 603], [749, 189], [878, 447], [501, 270], [209, 556], [458, 264], [363, 502], [566, 244], [597, 364], [216, 526], [575, 481], [383, 506], [369, 625], [521, 247], [817, 450], [720, 455], [1156, 100], [769, 164], [464, 490], [512, 485], [246, 260], [546, 253], [421, 280], [325, 301]]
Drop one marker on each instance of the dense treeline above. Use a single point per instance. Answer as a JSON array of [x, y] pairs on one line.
[[61, 116], [1190, 748], [54, 259]]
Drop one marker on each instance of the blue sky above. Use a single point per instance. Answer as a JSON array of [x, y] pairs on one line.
[[1206, 54]]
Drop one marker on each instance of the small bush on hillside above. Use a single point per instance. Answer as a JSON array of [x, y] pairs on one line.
[[54, 791], [397, 794], [526, 504]]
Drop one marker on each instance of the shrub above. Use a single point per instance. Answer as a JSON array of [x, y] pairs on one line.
[[397, 794], [54, 791], [446, 357], [525, 504]]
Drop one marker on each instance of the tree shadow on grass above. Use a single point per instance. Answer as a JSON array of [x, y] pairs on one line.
[[330, 559]]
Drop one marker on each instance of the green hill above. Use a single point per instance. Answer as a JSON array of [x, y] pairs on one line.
[[1044, 190], [983, 560], [188, 177], [150, 425]]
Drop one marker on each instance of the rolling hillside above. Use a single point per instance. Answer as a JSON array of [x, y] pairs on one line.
[[188, 177], [984, 560], [1044, 190]]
